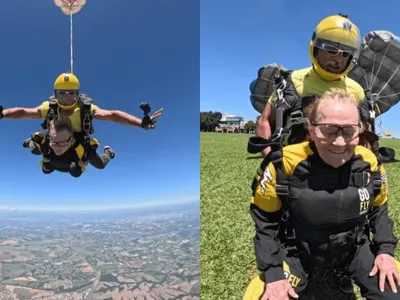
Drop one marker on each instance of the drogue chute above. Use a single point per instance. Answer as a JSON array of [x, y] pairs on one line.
[[70, 7]]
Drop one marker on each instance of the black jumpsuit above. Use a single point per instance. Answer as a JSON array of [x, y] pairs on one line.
[[69, 161], [328, 208]]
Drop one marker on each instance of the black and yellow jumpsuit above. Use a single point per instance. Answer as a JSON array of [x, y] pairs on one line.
[[331, 210], [69, 161]]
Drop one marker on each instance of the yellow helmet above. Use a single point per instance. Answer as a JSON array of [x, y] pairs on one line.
[[67, 81], [335, 33]]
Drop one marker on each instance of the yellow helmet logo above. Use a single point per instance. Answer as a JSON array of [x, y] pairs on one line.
[[67, 81], [339, 33]]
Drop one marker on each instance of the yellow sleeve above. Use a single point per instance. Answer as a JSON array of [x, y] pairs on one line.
[[383, 195], [265, 196], [93, 108], [272, 98], [44, 108], [354, 88], [94, 142], [359, 94]]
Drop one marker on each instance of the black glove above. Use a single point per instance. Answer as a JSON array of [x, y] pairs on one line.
[[146, 121]]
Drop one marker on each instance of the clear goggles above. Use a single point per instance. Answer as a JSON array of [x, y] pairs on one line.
[[66, 97], [334, 48]]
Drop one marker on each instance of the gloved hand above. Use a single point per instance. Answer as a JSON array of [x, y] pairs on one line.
[[147, 121]]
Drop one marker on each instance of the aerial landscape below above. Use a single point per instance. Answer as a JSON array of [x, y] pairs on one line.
[[146, 254]]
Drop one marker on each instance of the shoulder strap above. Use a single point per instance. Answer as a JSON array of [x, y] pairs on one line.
[[281, 186], [378, 180], [298, 131], [282, 102], [86, 120], [289, 106], [86, 117], [51, 113], [286, 233]]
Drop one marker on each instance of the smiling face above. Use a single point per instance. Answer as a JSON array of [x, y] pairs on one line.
[[335, 129]]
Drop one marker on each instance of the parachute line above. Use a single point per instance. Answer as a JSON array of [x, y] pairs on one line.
[[377, 69], [71, 44], [369, 85], [70, 7], [380, 65], [390, 79]]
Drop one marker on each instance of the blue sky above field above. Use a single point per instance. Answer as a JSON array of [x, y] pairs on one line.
[[239, 37], [125, 52]]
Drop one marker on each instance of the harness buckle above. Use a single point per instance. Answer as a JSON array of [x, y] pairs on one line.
[[48, 119], [361, 179], [282, 190], [86, 124], [378, 183], [296, 116], [290, 248], [348, 238], [290, 234], [339, 239]]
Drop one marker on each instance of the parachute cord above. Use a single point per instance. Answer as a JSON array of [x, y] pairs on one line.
[[380, 65], [71, 44], [390, 79], [365, 77], [369, 85]]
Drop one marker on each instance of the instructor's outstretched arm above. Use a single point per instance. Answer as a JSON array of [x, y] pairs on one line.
[[122, 117], [22, 113]]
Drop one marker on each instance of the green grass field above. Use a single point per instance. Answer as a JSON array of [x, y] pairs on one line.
[[227, 255]]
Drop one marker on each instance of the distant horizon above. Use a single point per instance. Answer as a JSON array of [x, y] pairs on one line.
[[59, 208]]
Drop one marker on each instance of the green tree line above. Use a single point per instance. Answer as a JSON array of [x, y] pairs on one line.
[[210, 120]]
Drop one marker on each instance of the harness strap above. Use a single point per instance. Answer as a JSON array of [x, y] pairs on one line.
[[86, 117], [86, 124], [51, 114], [281, 105], [287, 234], [45, 147], [257, 144], [86, 120]]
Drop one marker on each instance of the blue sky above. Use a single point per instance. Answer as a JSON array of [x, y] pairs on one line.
[[239, 37], [124, 53]]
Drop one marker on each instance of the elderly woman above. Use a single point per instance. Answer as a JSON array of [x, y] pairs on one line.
[[314, 204], [63, 153]]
